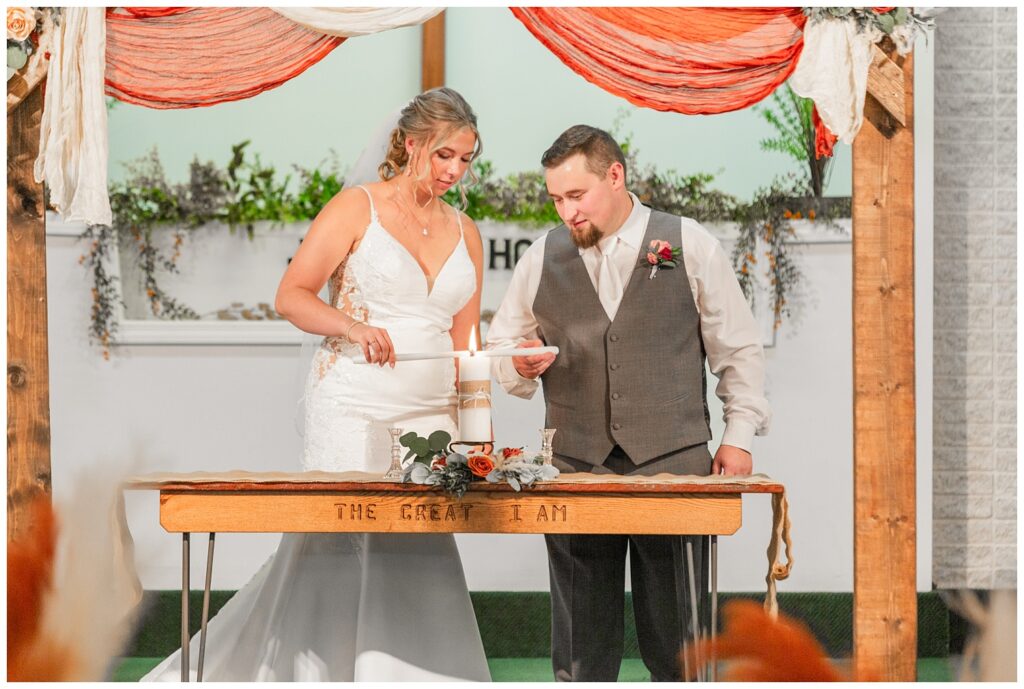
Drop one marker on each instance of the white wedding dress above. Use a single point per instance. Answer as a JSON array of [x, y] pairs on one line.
[[364, 607]]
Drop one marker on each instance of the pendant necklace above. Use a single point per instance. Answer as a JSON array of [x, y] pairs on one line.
[[405, 208]]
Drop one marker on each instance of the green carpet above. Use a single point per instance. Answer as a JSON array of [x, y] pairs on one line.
[[516, 631], [934, 670], [518, 624], [539, 670]]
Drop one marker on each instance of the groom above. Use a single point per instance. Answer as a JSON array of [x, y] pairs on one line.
[[627, 392]]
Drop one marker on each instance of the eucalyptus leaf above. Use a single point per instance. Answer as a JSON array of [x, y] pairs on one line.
[[16, 57], [409, 454], [548, 472], [514, 483], [407, 439], [901, 15], [417, 473], [420, 446], [439, 440], [886, 23]]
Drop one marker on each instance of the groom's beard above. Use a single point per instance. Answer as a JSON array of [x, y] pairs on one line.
[[587, 237]]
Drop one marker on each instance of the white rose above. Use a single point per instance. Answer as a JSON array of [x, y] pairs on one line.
[[21, 21]]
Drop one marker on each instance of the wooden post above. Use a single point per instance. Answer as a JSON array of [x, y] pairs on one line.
[[433, 53], [28, 382], [885, 533]]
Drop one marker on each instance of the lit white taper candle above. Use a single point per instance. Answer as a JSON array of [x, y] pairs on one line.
[[461, 353]]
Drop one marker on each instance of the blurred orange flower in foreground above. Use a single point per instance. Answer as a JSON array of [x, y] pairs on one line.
[[29, 580], [762, 649]]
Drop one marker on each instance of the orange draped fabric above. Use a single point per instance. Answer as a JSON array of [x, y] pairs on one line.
[[692, 60], [188, 57], [154, 11]]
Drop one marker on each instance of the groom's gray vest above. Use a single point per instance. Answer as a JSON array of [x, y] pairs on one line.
[[637, 381]]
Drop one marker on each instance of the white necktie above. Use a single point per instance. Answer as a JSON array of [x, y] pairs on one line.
[[609, 283]]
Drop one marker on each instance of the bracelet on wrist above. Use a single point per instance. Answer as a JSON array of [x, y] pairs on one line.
[[349, 331]]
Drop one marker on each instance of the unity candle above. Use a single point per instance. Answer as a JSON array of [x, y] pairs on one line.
[[474, 395]]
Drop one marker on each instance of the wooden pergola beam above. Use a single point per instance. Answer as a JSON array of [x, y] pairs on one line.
[[886, 84], [28, 382], [433, 53], [885, 530]]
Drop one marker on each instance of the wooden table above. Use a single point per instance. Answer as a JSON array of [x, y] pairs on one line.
[[616, 506]]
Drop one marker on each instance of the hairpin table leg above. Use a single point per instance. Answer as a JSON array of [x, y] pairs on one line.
[[714, 607], [693, 611], [184, 605], [206, 608]]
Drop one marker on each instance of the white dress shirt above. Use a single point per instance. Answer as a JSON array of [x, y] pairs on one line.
[[732, 339]]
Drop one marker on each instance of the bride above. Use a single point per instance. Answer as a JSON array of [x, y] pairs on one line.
[[404, 272]]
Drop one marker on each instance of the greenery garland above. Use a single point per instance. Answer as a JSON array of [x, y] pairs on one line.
[[145, 204]]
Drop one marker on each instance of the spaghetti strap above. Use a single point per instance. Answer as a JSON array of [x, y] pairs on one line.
[[458, 219], [373, 211]]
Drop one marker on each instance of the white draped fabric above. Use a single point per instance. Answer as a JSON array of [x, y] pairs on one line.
[[357, 21], [833, 72], [73, 131]]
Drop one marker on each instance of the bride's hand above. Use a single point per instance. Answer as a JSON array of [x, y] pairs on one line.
[[376, 343]]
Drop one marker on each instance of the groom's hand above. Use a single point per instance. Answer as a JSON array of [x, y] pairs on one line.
[[532, 366], [732, 461]]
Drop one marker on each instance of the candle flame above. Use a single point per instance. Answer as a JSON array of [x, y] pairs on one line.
[[472, 341]]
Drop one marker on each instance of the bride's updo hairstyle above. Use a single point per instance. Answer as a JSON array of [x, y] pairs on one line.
[[431, 119]]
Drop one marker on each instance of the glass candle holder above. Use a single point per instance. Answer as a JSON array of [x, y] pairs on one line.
[[394, 472], [546, 448]]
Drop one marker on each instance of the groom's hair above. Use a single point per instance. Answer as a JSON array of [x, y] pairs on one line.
[[596, 145]]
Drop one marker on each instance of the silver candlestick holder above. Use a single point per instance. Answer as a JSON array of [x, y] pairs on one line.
[[394, 472], [546, 448]]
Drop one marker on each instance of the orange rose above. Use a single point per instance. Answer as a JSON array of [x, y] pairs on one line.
[[510, 452], [21, 21], [480, 465]]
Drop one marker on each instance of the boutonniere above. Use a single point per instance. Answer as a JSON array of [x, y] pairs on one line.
[[661, 254]]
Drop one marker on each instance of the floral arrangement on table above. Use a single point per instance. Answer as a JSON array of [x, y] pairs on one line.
[[436, 464]]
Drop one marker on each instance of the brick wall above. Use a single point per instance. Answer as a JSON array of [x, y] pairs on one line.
[[975, 363]]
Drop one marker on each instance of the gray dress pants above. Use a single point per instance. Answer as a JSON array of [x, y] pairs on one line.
[[588, 585]]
